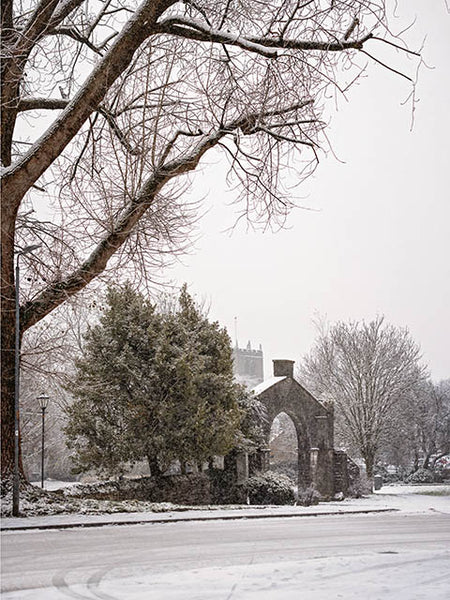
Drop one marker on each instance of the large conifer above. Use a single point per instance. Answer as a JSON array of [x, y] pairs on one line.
[[152, 385]]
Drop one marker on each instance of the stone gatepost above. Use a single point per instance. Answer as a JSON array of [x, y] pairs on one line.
[[241, 467], [314, 461], [322, 477], [259, 462]]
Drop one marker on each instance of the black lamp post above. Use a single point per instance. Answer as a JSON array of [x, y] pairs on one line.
[[43, 403], [15, 498]]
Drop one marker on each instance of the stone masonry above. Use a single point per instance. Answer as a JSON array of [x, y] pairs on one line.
[[318, 463]]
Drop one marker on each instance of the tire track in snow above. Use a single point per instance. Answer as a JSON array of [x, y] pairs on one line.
[[60, 583]]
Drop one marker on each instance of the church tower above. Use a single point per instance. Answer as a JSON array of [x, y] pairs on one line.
[[248, 365]]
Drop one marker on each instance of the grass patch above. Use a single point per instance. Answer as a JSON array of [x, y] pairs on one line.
[[445, 492]]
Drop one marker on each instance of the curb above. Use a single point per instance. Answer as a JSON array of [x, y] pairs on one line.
[[187, 519]]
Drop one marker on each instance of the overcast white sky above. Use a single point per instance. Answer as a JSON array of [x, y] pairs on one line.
[[379, 241]]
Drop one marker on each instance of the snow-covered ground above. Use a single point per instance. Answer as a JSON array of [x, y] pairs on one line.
[[405, 498], [414, 498], [387, 556], [406, 576], [53, 484]]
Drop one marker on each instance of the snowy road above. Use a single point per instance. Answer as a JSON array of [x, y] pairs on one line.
[[374, 556]]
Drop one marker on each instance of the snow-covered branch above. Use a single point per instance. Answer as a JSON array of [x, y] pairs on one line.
[[55, 294], [194, 30], [41, 104], [18, 178]]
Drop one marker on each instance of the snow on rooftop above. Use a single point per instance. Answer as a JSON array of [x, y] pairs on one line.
[[265, 385]]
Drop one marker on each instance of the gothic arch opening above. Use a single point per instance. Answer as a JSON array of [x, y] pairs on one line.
[[283, 444]]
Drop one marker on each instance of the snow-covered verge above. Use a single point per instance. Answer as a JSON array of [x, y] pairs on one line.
[[69, 500], [61, 498], [37, 502]]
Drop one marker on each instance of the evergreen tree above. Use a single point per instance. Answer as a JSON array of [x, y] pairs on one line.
[[152, 385]]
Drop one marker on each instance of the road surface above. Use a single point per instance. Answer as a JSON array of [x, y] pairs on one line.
[[369, 557]]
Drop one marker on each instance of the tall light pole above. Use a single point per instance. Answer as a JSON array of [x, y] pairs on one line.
[[15, 500], [43, 403]]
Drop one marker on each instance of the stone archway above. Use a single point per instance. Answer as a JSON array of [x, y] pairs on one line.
[[313, 423]]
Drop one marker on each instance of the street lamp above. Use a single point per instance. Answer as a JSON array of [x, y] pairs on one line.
[[15, 498], [43, 403]]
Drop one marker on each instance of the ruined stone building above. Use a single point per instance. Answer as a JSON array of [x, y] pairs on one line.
[[319, 464]]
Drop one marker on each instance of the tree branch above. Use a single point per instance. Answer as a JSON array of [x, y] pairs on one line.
[[38, 23], [18, 178], [110, 119], [192, 29], [41, 104], [63, 11], [73, 33], [54, 295]]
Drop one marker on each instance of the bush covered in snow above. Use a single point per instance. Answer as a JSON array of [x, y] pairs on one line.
[[423, 476], [309, 496], [270, 488], [359, 487], [120, 495], [224, 488], [37, 502]]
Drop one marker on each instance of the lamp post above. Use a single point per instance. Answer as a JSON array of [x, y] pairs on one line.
[[15, 499], [43, 403]]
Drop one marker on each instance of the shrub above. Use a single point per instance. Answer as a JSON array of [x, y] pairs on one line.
[[399, 475], [360, 487], [224, 488], [309, 496], [270, 488], [421, 476]]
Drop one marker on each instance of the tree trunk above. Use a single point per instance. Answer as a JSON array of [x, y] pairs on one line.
[[426, 462], [155, 469], [8, 333], [369, 460]]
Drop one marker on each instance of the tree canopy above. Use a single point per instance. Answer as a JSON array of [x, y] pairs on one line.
[[365, 369], [108, 106], [419, 433], [153, 385]]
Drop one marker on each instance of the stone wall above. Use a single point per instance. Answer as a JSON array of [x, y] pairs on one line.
[[190, 489], [341, 480]]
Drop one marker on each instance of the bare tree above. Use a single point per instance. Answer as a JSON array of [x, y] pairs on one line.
[[366, 369], [419, 433], [142, 90], [427, 415], [48, 353]]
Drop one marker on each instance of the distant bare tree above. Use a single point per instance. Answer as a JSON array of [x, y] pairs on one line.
[[442, 390], [427, 415], [366, 369], [142, 90], [49, 350]]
